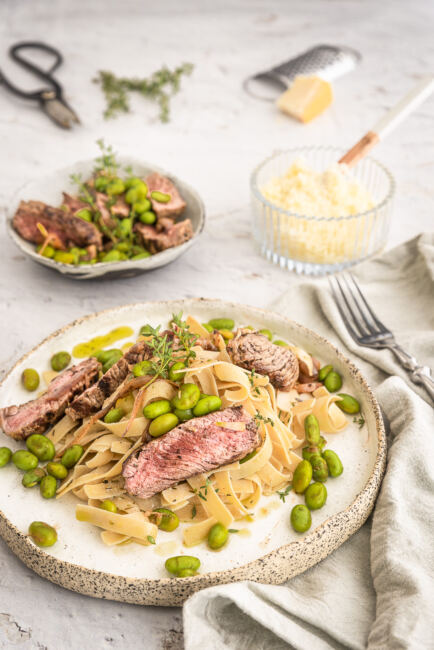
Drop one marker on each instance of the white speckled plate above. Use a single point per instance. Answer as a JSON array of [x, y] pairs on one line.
[[49, 189], [271, 553]]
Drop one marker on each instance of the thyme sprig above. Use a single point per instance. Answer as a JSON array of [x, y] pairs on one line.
[[160, 86], [106, 163], [284, 493], [260, 418], [164, 350], [85, 195], [360, 421]]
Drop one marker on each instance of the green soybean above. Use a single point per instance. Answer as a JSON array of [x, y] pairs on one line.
[[217, 536], [187, 397], [112, 256], [24, 460], [348, 404], [315, 496], [207, 405], [181, 563], [311, 429], [160, 197], [41, 446], [5, 456], [324, 371], [133, 181], [227, 334], [282, 344], [109, 506], [104, 355], [267, 333], [165, 519], [30, 379], [208, 327], [141, 256], [302, 476], [72, 456], [308, 452], [334, 463], [114, 415], [145, 330], [57, 470], [48, 487], [60, 360], [63, 257], [33, 476], [322, 443], [183, 415], [162, 424], [42, 534], [333, 381], [47, 252], [143, 368], [222, 323], [157, 408], [144, 205], [175, 373], [148, 217], [186, 573], [114, 358], [301, 519], [320, 470], [116, 186], [84, 214], [101, 183]]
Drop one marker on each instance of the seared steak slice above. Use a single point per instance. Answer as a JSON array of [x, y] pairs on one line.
[[156, 241], [35, 416], [120, 208], [73, 203], [101, 203], [254, 351], [175, 206], [93, 398], [69, 229], [196, 446]]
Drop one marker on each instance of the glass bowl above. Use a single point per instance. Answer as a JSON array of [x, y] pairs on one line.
[[318, 245]]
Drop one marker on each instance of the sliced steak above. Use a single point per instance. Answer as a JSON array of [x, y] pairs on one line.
[[101, 204], [254, 351], [92, 399], [156, 241], [196, 446], [70, 230], [73, 203], [121, 208], [175, 206], [35, 416]]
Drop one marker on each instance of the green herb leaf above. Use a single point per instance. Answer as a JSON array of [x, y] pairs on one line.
[[151, 539], [284, 493], [233, 530]]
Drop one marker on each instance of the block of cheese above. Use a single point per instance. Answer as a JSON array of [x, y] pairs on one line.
[[306, 98]]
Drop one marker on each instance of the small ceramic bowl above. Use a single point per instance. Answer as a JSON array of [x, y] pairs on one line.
[[49, 189]]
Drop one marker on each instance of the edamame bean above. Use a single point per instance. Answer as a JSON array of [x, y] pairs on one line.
[[145, 330], [60, 360], [282, 344], [136, 193], [187, 397], [5, 456], [114, 358], [41, 446], [30, 379], [133, 181], [320, 470], [311, 428], [333, 381], [143, 368], [348, 403], [160, 197], [175, 373], [104, 355], [42, 534], [322, 443], [208, 327], [109, 506], [141, 256], [162, 424], [186, 573], [84, 214], [217, 536], [315, 496], [24, 460], [308, 452], [112, 256], [116, 186], [72, 456], [302, 476], [101, 183], [125, 227], [114, 415], [57, 470], [181, 563], [165, 519], [144, 205], [47, 252], [48, 487], [148, 217], [227, 334], [64, 257], [324, 371], [183, 416], [301, 519], [157, 408], [207, 405], [222, 323], [266, 333], [334, 463], [33, 476]]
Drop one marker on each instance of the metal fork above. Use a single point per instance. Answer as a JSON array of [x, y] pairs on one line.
[[367, 330]]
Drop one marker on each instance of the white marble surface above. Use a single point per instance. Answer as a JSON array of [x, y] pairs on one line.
[[216, 136]]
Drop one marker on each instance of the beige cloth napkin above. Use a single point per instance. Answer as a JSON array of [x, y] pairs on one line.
[[376, 590]]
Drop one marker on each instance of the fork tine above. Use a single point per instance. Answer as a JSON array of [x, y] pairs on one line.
[[356, 321], [354, 335], [369, 326], [373, 316]]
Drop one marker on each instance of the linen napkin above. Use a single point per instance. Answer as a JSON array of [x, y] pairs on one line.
[[375, 591]]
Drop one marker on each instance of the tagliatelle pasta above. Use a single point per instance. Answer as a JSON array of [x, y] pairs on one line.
[[225, 495]]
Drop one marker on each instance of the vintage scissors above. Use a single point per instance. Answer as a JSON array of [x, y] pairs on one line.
[[50, 98]]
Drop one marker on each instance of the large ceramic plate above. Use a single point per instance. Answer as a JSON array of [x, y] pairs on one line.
[[271, 553], [49, 190]]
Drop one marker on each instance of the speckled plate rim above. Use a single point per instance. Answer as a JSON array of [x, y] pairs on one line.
[[274, 567], [124, 268]]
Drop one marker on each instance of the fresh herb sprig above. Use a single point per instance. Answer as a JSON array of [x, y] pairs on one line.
[[160, 86], [284, 493], [260, 418], [85, 195], [106, 162], [163, 349], [360, 421]]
